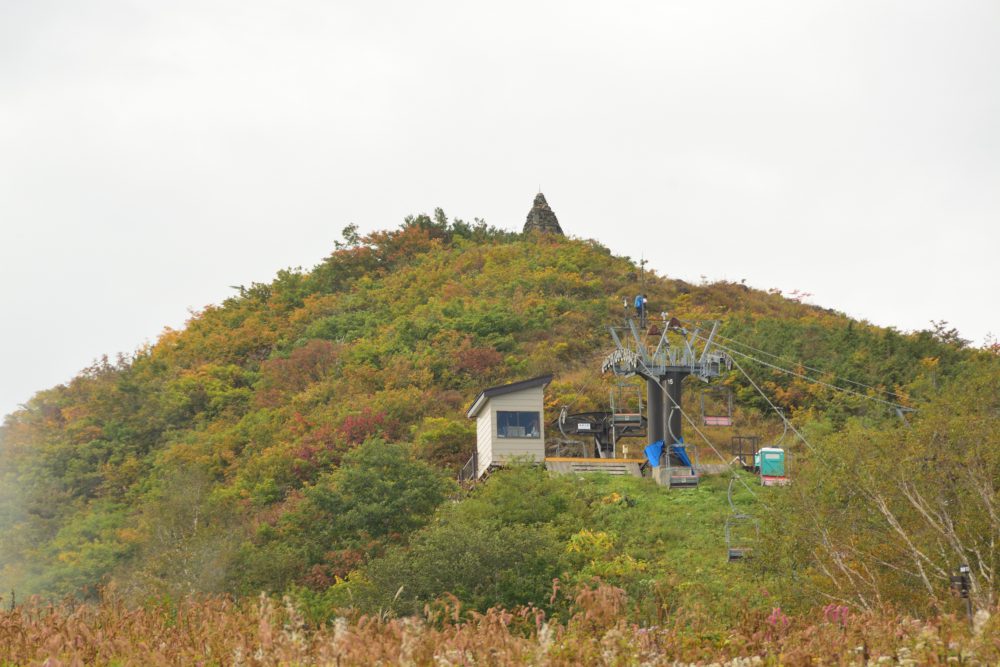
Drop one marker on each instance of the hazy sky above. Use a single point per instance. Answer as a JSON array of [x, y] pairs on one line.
[[154, 153]]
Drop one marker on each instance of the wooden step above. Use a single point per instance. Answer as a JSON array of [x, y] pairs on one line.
[[621, 467]]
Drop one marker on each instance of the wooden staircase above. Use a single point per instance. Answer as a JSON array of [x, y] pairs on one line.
[[572, 466]]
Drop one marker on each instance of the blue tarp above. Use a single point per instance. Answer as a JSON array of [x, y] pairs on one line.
[[679, 451], [654, 452]]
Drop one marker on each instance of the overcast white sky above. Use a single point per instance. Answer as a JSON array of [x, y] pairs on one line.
[[154, 153]]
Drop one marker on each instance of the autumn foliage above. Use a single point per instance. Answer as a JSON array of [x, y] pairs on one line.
[[301, 438], [267, 632]]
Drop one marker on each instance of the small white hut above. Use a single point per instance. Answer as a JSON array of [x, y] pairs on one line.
[[510, 423]]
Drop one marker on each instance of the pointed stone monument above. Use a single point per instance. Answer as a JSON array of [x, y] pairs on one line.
[[541, 218]]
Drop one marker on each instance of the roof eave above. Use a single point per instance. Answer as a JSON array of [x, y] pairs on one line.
[[486, 394], [477, 405]]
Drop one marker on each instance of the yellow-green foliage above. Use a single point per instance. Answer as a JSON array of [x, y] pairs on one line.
[[887, 511], [211, 460]]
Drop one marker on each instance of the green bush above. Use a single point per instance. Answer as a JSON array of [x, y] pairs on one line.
[[483, 565]]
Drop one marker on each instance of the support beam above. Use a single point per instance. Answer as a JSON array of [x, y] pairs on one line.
[[655, 416]]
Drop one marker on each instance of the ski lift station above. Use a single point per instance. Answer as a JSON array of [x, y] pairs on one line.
[[510, 426], [641, 432], [652, 358]]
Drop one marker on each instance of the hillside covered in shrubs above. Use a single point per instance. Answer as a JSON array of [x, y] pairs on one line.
[[303, 436]]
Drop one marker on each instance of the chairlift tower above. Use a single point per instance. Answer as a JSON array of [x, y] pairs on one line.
[[664, 367]]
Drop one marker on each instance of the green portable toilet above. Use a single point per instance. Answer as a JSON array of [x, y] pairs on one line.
[[771, 461]]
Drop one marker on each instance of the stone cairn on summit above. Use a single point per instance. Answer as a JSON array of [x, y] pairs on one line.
[[541, 218]]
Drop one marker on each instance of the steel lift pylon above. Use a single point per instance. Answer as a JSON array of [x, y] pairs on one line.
[[664, 367]]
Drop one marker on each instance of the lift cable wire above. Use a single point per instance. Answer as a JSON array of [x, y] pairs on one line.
[[834, 387], [808, 368], [797, 374], [789, 425], [709, 443], [733, 351], [798, 363], [777, 411], [729, 497], [809, 379]]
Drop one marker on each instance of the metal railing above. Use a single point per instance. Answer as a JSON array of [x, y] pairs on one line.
[[468, 472]]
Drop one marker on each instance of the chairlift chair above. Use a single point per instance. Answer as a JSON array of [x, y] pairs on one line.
[[682, 477], [681, 463], [742, 531], [626, 404], [718, 409], [744, 449]]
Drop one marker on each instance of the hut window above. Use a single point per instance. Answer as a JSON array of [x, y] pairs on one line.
[[518, 425]]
